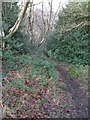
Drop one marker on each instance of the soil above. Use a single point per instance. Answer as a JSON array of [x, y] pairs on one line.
[[80, 98]]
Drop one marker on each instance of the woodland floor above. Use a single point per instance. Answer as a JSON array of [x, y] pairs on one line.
[[67, 98]]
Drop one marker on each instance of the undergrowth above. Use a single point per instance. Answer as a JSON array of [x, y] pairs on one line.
[[37, 80]]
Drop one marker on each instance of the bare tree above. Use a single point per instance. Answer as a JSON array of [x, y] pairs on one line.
[[48, 20], [31, 20], [39, 23]]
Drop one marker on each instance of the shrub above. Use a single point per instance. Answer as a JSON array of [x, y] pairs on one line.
[[66, 43]]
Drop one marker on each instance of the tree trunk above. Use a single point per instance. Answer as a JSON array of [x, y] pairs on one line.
[[1, 106], [17, 23]]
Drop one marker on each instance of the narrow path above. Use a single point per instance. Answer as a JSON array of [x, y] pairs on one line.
[[80, 99]]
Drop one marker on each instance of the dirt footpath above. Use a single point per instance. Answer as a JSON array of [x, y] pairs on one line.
[[80, 98]]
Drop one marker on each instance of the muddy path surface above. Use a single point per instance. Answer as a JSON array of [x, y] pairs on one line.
[[79, 97]]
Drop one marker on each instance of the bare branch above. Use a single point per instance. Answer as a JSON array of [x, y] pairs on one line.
[[31, 19], [43, 18], [56, 14], [82, 24]]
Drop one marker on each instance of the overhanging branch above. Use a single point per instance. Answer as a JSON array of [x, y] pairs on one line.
[[82, 24]]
